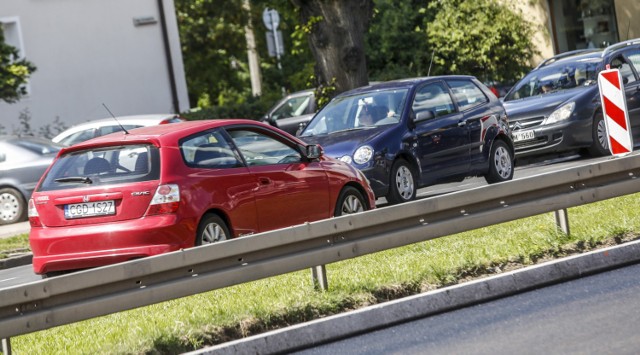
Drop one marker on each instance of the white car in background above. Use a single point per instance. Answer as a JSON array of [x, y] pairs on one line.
[[91, 129]]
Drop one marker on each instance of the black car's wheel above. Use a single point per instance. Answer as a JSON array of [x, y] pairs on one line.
[[500, 163], [212, 229], [402, 183], [350, 201], [599, 146], [12, 206]]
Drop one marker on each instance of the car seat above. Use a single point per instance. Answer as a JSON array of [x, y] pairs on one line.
[[378, 113], [142, 163], [580, 75], [96, 166], [212, 155]]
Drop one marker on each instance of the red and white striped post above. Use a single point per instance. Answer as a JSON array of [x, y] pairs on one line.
[[616, 116]]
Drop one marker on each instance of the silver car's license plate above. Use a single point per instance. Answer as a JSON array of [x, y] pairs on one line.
[[89, 209], [519, 136]]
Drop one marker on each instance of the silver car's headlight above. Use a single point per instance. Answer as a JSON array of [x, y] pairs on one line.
[[363, 154], [560, 114], [346, 159]]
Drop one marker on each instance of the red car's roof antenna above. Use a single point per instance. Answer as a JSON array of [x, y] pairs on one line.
[[114, 117]]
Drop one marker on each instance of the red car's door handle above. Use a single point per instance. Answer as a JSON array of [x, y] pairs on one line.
[[264, 180]]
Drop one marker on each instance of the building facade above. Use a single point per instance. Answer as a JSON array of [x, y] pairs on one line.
[[120, 53], [566, 25]]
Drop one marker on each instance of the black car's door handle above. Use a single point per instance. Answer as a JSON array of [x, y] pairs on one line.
[[462, 123]]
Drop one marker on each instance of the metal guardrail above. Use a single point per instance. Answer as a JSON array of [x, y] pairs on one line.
[[91, 293]]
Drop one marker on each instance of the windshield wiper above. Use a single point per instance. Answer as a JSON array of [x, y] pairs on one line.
[[82, 179], [359, 128]]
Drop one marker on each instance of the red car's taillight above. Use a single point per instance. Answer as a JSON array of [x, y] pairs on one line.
[[34, 217], [165, 200]]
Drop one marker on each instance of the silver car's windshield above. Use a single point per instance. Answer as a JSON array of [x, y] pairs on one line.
[[361, 111], [555, 78]]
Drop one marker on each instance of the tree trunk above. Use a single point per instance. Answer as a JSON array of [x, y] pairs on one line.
[[337, 41]]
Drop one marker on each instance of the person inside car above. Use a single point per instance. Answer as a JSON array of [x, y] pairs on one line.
[[365, 118]]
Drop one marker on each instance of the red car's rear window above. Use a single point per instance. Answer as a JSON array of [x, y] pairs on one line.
[[103, 166]]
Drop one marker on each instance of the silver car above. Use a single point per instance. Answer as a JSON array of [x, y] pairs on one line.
[[291, 111], [23, 160], [97, 128]]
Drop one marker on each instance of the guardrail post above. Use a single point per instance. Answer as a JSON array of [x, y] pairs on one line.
[[562, 220], [319, 278], [6, 346]]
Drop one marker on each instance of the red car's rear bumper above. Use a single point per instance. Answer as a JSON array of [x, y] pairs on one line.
[[80, 247]]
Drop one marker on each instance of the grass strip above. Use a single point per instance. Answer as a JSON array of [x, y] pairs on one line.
[[11, 244], [213, 317]]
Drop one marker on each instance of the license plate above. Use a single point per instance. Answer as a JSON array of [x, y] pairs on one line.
[[523, 135], [89, 209]]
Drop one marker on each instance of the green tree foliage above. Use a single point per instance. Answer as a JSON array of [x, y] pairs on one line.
[[297, 61], [14, 72], [479, 37], [396, 43], [214, 50]]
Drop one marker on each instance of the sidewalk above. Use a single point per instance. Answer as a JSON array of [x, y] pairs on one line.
[[11, 230]]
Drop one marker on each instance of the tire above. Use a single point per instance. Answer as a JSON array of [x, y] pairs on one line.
[[599, 147], [13, 207], [212, 229], [402, 183], [350, 201], [500, 163]]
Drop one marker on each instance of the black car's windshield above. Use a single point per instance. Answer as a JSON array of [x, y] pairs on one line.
[[361, 111], [560, 76]]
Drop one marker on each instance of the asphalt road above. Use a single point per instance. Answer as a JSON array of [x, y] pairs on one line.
[[17, 276], [599, 314]]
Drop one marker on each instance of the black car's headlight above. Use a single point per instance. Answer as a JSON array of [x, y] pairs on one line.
[[560, 114], [363, 154]]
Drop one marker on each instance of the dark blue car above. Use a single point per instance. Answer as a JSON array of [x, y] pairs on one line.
[[556, 108], [412, 133]]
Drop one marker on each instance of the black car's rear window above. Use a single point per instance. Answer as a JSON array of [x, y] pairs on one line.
[[103, 166]]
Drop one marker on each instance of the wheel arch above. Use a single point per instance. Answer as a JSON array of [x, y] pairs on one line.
[[220, 213], [500, 137], [360, 189], [4, 184], [409, 158]]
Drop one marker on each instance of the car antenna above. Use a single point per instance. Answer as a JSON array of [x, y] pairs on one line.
[[114, 117], [432, 53]]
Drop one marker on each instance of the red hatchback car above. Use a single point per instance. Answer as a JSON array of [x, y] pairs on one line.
[[162, 188]]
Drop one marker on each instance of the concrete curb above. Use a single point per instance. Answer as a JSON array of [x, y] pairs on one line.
[[16, 261], [370, 318]]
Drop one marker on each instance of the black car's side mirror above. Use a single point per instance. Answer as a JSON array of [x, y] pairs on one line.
[[313, 151], [424, 115]]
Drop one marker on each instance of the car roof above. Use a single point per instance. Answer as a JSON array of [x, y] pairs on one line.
[[162, 134], [14, 137], [149, 119], [401, 83], [572, 56]]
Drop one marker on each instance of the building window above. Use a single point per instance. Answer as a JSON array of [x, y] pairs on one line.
[[580, 24]]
